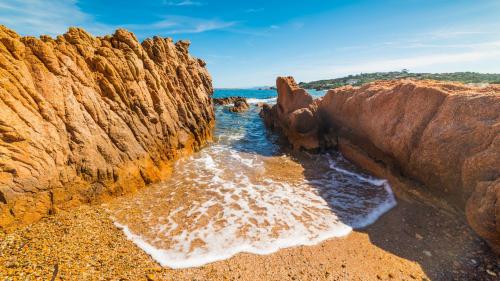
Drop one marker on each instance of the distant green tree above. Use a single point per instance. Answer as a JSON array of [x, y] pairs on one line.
[[363, 78]]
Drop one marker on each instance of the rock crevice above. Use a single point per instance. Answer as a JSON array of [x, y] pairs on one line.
[[83, 118]]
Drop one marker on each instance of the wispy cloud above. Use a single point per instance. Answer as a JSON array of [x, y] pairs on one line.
[[37, 17], [470, 38], [413, 62], [422, 45], [461, 51], [172, 24], [445, 34], [254, 10], [446, 61], [183, 3], [47, 17]]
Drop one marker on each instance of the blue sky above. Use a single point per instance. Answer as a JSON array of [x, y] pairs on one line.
[[249, 43]]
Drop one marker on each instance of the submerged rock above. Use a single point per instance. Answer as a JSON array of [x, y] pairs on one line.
[[443, 135], [228, 100], [83, 118], [240, 104]]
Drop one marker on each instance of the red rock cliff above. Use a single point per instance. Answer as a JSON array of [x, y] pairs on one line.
[[443, 135], [83, 118]]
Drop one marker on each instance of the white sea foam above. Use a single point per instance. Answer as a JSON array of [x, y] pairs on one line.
[[374, 181], [266, 100], [223, 201]]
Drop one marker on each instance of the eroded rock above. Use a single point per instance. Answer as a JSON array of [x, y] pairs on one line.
[[294, 114], [228, 100], [239, 104], [443, 135], [83, 118]]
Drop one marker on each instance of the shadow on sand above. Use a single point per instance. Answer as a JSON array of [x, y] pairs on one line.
[[420, 228], [425, 230]]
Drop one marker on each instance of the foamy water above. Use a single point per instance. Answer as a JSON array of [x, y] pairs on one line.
[[243, 194]]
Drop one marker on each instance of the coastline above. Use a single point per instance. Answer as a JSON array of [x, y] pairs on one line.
[[413, 241], [135, 144]]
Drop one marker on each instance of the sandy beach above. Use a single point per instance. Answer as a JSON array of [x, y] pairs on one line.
[[206, 140], [414, 241]]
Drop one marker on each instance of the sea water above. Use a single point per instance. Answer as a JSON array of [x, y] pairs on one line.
[[246, 193]]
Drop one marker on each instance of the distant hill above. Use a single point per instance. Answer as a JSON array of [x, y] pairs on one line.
[[360, 79]]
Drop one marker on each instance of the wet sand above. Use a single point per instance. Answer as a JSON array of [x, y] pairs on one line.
[[414, 241]]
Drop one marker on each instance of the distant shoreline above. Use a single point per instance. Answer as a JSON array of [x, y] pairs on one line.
[[363, 78]]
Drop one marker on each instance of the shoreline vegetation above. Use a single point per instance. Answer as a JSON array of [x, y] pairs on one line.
[[363, 78]]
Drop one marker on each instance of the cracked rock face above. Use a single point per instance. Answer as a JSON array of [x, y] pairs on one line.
[[239, 104], [443, 135], [84, 118], [294, 115]]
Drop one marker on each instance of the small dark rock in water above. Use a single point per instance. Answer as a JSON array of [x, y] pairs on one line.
[[239, 103], [239, 106], [228, 100]]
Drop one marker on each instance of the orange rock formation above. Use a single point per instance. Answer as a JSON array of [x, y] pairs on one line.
[[83, 118], [444, 135]]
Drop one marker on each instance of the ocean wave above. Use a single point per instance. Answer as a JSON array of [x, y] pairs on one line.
[[237, 195], [248, 210], [270, 100]]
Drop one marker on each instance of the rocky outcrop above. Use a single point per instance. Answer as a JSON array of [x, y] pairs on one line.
[[239, 104], [444, 135], [294, 114], [83, 118], [228, 100]]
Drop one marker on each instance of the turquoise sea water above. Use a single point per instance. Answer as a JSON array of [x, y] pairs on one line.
[[255, 94], [246, 193]]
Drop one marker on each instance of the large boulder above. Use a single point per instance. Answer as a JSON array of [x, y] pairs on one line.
[[83, 118], [294, 114], [443, 135]]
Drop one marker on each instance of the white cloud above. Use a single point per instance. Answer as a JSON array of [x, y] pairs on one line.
[[436, 51], [183, 3], [483, 60], [254, 10], [453, 33], [312, 70], [413, 62], [172, 24], [36, 17]]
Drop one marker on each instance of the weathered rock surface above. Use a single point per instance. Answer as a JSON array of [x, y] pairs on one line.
[[240, 104], [443, 135], [294, 114], [83, 118], [228, 100]]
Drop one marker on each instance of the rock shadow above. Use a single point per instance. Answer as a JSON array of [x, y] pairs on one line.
[[420, 228]]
